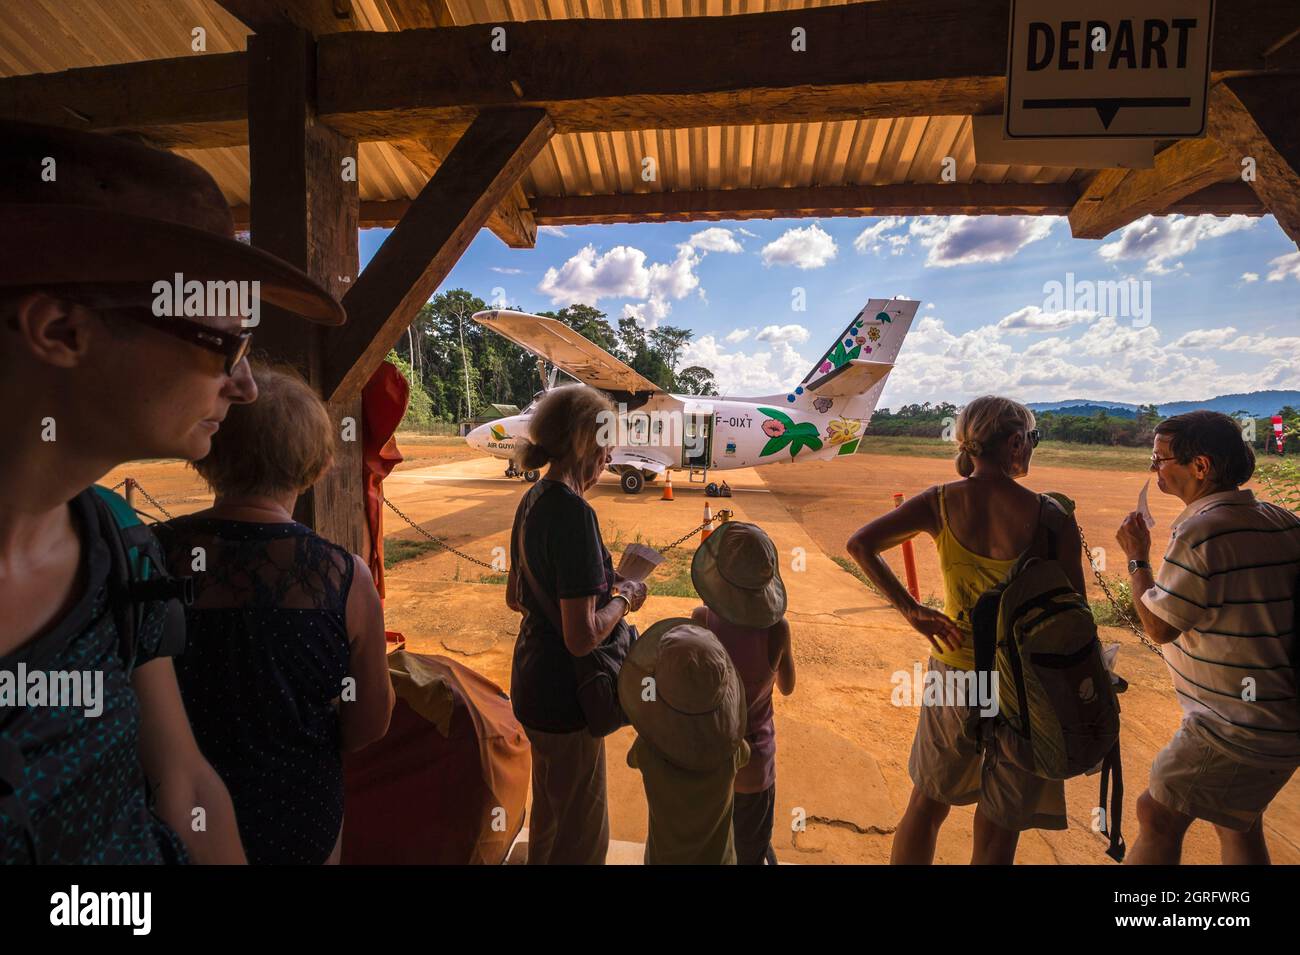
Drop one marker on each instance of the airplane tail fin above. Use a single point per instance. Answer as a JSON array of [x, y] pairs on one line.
[[851, 374]]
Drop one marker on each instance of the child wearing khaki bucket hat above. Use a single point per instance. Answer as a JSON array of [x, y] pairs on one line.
[[736, 572], [683, 696]]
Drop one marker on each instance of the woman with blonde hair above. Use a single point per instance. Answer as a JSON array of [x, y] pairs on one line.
[[285, 665], [562, 580], [981, 526]]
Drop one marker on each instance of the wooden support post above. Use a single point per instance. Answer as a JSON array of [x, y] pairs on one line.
[[304, 209], [1256, 115], [480, 170]]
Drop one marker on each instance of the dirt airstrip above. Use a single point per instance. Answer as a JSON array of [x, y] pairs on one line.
[[842, 744]]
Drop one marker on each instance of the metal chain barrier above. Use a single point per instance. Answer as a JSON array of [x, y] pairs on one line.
[[436, 540], [721, 515], [1105, 588], [152, 500]]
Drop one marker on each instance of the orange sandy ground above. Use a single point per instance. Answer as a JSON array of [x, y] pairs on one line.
[[842, 745]]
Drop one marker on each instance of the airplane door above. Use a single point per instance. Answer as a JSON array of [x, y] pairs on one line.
[[697, 440]]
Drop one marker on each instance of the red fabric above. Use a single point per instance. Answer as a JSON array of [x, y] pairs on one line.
[[383, 402]]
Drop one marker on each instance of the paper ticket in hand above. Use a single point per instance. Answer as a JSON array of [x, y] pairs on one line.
[[639, 561], [1143, 508]]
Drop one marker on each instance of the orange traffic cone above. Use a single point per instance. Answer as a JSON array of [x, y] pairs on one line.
[[707, 529], [668, 486]]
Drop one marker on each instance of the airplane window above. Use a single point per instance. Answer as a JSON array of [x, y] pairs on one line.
[[638, 428]]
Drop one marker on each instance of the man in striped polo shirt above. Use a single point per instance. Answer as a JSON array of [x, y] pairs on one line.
[[1224, 610]]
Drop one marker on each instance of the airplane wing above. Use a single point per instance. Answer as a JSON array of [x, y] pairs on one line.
[[852, 378], [565, 349]]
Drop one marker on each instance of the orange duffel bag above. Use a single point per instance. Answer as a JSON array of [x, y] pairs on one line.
[[447, 784]]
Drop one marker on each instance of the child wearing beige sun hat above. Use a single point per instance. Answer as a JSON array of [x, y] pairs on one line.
[[682, 694], [736, 573]]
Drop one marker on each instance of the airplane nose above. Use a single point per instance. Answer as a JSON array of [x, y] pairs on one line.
[[478, 437]]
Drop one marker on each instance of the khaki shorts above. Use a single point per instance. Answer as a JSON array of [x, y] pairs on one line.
[[946, 767], [1197, 779]]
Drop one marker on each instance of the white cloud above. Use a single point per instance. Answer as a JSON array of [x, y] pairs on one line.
[[796, 334], [1160, 239], [505, 271], [1228, 339], [1106, 360], [622, 272], [1249, 277], [873, 237], [963, 240], [715, 239], [771, 371], [1031, 318], [737, 335], [752, 235], [555, 230], [1285, 265], [806, 248]]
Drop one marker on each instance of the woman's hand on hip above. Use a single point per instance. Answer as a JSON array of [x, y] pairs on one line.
[[936, 627]]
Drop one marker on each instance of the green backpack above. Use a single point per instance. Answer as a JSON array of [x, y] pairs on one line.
[[1037, 638], [137, 574]]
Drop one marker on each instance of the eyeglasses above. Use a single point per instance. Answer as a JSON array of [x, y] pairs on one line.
[[1156, 461], [234, 346], [1034, 437]]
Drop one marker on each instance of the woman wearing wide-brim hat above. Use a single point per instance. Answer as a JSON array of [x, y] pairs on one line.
[[737, 574], [96, 370], [685, 700]]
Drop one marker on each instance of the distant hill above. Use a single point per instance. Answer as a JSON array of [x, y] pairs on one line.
[[1258, 404]]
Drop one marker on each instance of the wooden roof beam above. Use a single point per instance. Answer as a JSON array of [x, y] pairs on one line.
[[1221, 199], [317, 17], [1115, 197], [914, 58], [428, 240], [717, 204], [1256, 116]]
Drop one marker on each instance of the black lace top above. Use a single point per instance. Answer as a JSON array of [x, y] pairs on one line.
[[265, 662]]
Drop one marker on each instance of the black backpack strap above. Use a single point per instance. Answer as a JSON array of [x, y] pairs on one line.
[[127, 616], [1111, 762]]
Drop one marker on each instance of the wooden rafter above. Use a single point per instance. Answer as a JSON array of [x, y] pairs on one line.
[[428, 240], [1257, 117], [1224, 198], [914, 58], [1115, 197]]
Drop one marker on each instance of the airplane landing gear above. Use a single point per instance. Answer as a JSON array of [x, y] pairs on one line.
[[531, 475], [631, 480]]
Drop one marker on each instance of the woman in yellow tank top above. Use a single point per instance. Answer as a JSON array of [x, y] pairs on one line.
[[981, 525]]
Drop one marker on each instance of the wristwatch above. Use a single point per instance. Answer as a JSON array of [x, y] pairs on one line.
[[1135, 565]]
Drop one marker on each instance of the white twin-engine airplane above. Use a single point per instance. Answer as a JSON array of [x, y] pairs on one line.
[[822, 418]]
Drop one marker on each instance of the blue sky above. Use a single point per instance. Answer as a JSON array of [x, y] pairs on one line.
[[1221, 312]]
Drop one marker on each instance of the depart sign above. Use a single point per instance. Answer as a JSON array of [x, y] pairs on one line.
[[1108, 68]]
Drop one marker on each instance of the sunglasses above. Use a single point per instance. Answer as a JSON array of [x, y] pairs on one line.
[[1156, 461], [1034, 437], [233, 346]]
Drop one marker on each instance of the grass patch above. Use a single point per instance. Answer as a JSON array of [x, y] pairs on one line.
[[397, 549], [1106, 615], [1048, 454], [846, 564]]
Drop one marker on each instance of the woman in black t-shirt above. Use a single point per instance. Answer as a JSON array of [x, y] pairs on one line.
[[557, 533]]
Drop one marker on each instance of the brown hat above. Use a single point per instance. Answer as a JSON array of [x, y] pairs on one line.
[[696, 714], [86, 208], [737, 574]]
